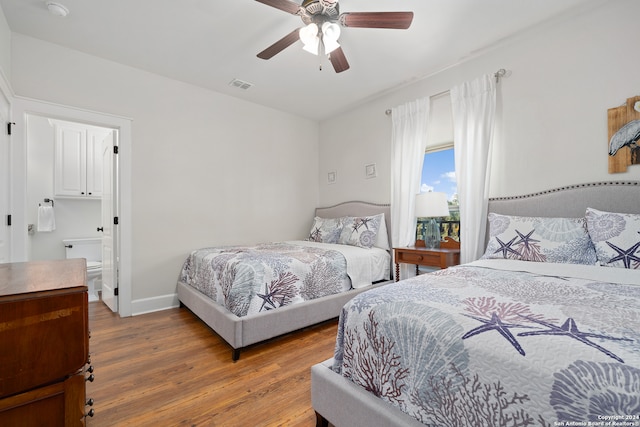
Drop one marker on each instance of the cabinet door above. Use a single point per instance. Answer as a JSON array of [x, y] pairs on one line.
[[70, 165], [95, 141]]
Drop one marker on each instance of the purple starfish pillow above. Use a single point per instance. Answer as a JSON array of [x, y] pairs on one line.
[[616, 237], [539, 239]]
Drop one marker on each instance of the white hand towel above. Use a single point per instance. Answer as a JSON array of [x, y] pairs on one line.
[[46, 218]]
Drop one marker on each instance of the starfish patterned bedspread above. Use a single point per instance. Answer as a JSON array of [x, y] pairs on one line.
[[500, 343], [248, 280]]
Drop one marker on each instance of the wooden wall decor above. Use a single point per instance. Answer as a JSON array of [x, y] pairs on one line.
[[624, 135]]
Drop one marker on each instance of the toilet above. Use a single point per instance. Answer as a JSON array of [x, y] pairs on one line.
[[91, 250]]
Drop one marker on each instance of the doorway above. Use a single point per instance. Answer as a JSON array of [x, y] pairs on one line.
[[71, 215], [26, 111], [53, 145]]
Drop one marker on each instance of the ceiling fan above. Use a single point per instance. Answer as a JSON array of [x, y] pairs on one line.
[[323, 20]]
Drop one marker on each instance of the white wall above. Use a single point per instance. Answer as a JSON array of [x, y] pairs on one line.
[[5, 48], [207, 169], [553, 124]]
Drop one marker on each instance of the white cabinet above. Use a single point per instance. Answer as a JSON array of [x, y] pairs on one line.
[[78, 160], [94, 162]]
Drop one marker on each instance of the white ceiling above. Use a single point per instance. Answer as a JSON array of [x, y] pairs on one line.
[[210, 42]]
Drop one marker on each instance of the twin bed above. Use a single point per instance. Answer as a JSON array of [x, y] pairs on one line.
[[251, 294], [543, 330]]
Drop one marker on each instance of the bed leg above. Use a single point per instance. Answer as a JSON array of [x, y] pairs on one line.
[[321, 421], [235, 354]]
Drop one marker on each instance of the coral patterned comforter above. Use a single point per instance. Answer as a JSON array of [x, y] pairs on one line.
[[500, 343], [248, 280]]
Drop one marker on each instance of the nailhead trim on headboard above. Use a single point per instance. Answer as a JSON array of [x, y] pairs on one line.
[[356, 201], [568, 187]]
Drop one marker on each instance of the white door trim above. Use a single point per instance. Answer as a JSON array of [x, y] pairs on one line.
[[5, 180], [19, 109], [109, 210]]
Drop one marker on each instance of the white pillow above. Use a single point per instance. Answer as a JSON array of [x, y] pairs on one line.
[[382, 239]]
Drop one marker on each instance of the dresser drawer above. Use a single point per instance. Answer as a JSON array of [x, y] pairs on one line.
[[418, 258], [44, 339], [59, 404]]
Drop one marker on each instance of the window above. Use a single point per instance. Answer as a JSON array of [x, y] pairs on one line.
[[438, 174], [438, 170]]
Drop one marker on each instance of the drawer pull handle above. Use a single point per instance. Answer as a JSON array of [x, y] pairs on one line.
[[90, 369], [419, 257], [91, 413], [89, 402], [90, 378]]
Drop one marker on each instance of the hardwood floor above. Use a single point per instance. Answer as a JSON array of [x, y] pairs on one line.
[[170, 369]]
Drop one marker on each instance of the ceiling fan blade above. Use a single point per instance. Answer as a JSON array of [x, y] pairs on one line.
[[338, 60], [393, 20], [280, 45], [286, 5]]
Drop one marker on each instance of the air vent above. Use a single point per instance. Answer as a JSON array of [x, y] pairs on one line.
[[240, 84]]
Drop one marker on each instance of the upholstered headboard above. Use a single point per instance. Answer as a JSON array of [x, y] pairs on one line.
[[356, 208], [572, 201]]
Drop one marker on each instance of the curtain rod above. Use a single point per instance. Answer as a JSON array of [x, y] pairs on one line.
[[498, 75]]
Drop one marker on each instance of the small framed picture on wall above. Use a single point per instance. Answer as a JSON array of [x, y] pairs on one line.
[[370, 170], [332, 177]]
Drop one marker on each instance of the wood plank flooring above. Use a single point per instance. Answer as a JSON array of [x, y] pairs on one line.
[[170, 369]]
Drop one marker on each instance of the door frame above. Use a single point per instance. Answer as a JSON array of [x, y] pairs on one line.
[[20, 108], [5, 176], [109, 209]]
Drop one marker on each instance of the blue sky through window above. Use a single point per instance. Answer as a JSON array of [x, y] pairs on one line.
[[438, 173]]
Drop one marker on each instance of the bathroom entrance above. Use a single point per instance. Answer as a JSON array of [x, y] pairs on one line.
[[72, 196], [116, 265]]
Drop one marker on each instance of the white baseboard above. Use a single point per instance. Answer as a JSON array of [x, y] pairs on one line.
[[150, 305]]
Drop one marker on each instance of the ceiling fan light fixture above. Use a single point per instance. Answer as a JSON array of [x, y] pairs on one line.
[[312, 46], [330, 35], [309, 37], [330, 45], [331, 30]]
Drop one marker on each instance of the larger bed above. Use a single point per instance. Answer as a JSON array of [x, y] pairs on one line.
[[543, 330], [215, 282]]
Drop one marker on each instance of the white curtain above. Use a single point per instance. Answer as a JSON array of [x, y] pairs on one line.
[[409, 137], [473, 106]]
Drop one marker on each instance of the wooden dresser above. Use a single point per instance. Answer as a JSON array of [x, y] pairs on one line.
[[44, 343]]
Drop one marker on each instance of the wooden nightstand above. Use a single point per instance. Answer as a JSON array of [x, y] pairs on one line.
[[447, 255]]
